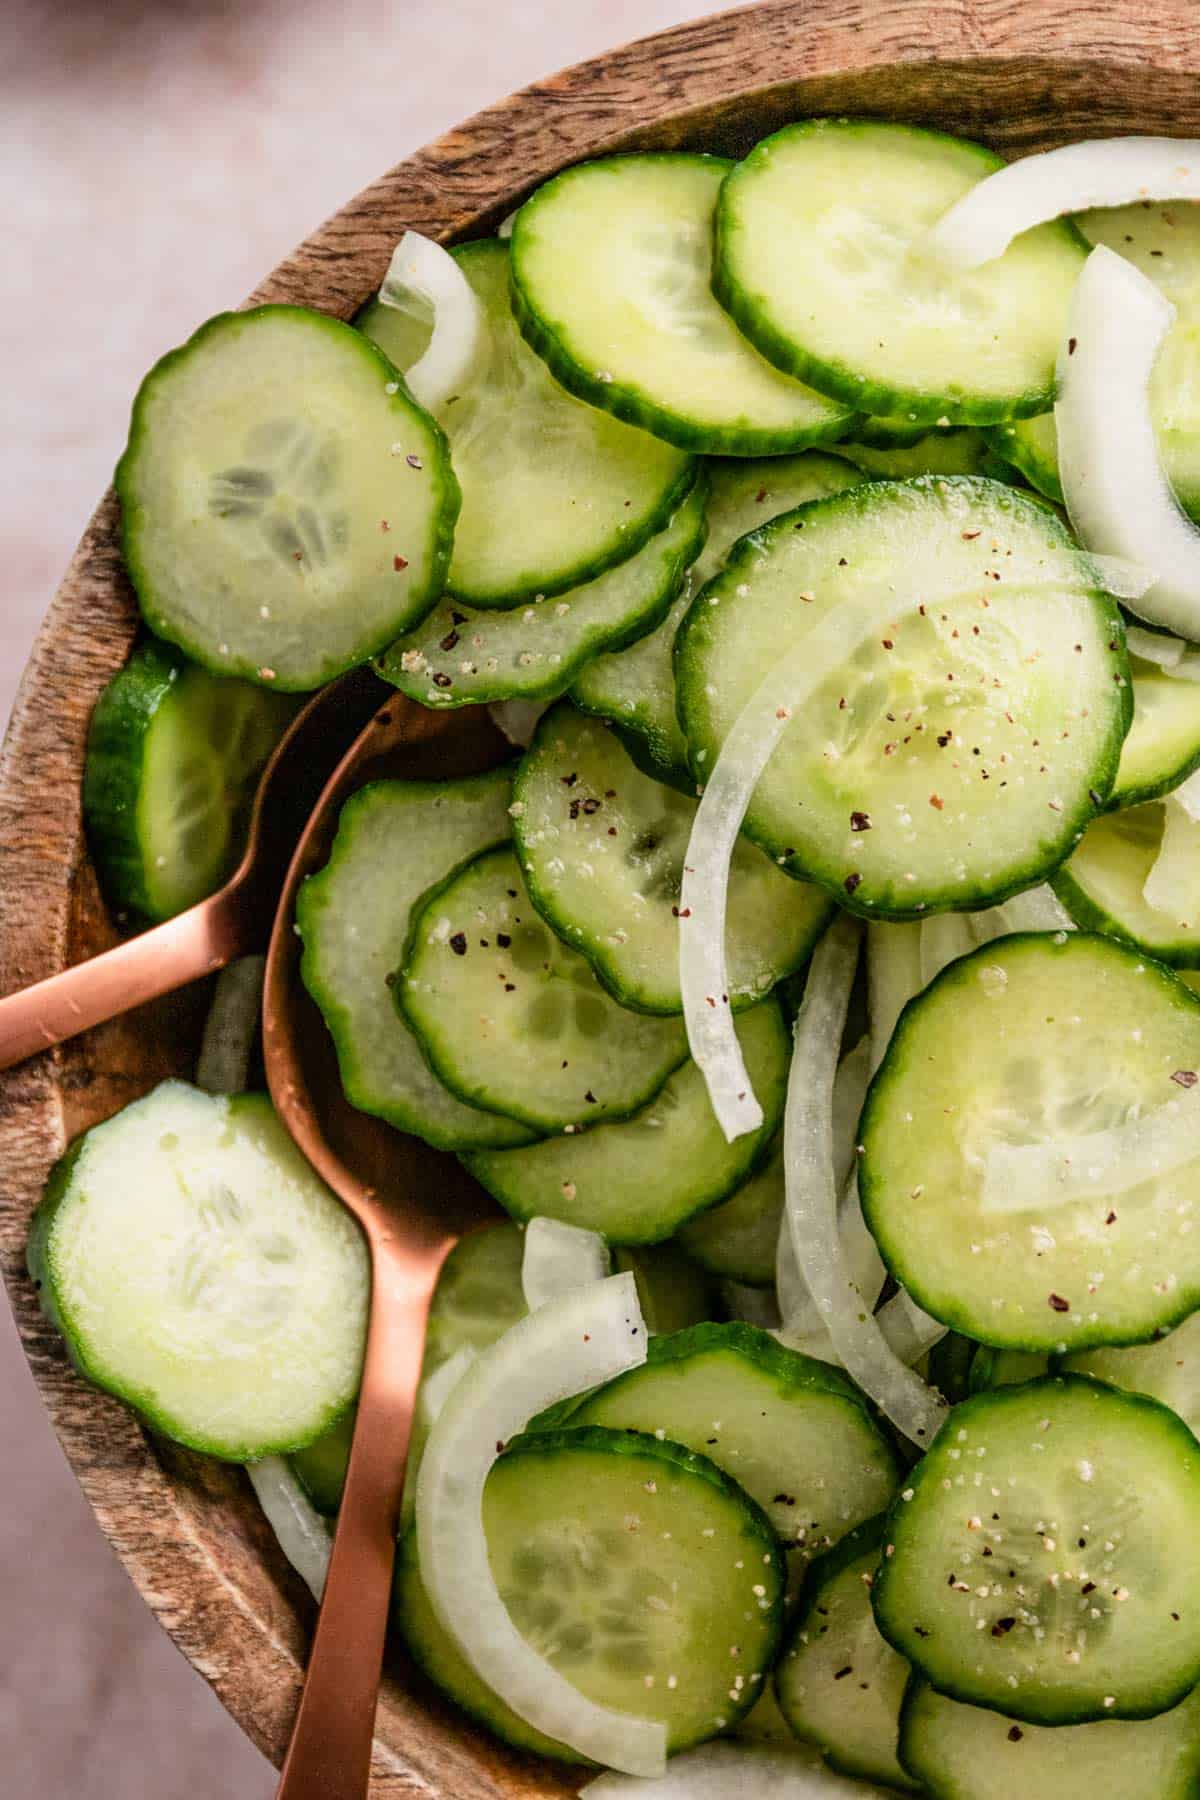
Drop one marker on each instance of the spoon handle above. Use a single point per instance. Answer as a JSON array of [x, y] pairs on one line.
[[193, 944], [329, 1757]]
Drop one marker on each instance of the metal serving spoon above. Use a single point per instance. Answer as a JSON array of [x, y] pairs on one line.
[[413, 1204], [231, 922]]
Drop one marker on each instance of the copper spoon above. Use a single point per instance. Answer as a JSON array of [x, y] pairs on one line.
[[412, 1203], [234, 920]]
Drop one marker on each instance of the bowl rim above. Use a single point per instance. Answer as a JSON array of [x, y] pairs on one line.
[[250, 1649]]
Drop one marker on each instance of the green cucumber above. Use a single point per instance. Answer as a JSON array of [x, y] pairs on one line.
[[1102, 885], [602, 847], [512, 1020], [636, 688], [553, 491], [1168, 1370], [641, 1572], [320, 1467], [611, 270], [1163, 746], [934, 453], [461, 656], [395, 839], [951, 734], [1005, 1368], [1031, 446], [1044, 1560], [637, 1180], [819, 259], [173, 757], [200, 1272], [737, 1240], [673, 1291], [286, 507], [1031, 1036]]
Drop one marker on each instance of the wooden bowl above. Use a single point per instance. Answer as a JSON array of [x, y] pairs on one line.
[[1020, 74]]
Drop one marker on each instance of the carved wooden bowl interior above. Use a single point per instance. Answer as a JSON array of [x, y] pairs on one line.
[[1018, 74]]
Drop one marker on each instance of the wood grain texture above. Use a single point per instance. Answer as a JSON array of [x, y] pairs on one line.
[[1021, 74]]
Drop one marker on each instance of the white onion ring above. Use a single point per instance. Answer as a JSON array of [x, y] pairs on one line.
[[558, 1259], [1172, 886], [944, 938], [893, 977], [1073, 179], [518, 719], [223, 1065], [423, 278], [578, 1341], [1155, 647], [909, 1330], [912, 1406], [302, 1533], [1037, 909], [734, 1771]]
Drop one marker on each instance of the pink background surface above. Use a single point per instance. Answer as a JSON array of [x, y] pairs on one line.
[[157, 159]]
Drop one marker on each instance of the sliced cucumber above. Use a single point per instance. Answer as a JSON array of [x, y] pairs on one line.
[[513, 1020], [172, 759], [1044, 1559], [200, 1271], [553, 491], [402, 334], [934, 453], [636, 688], [638, 1180], [602, 847], [1102, 886], [611, 266], [394, 840], [1031, 446], [1031, 1037], [1168, 1370], [459, 656], [639, 1570], [674, 1292], [1006, 1368], [819, 259], [793, 1431], [1163, 746], [320, 1467], [962, 1752], [950, 1363], [286, 507], [738, 1239], [840, 1685], [952, 735]]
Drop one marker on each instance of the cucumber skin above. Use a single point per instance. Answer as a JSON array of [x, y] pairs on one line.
[[789, 1368], [981, 1402], [834, 378], [112, 773], [39, 1263], [629, 403], [1092, 918], [132, 517], [1009, 449]]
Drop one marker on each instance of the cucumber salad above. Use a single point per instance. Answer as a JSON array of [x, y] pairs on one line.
[[813, 985]]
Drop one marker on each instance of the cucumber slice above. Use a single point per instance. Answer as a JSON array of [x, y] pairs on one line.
[[1032, 1036], [553, 491], [636, 688], [638, 1180], [793, 1431], [173, 756], [320, 1467], [1085, 1608], [953, 734], [819, 259], [639, 1570], [673, 1291], [199, 1271], [962, 1752], [737, 1240], [394, 840], [513, 1020], [1169, 1370], [602, 847], [934, 453], [402, 334], [839, 1684], [1102, 885], [460, 656], [950, 1364], [1163, 746], [1031, 446], [1005, 1368], [287, 508], [611, 269]]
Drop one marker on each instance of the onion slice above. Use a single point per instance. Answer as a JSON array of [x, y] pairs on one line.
[[944, 938], [223, 1066], [907, 1401], [423, 278], [1172, 886], [1097, 172], [893, 977], [1037, 909], [909, 1330], [721, 1770], [302, 1533], [559, 1259], [575, 1342], [1155, 647], [518, 719], [1091, 1165]]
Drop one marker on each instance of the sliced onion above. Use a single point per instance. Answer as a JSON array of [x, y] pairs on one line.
[[1155, 647], [849, 1091], [912, 1407], [1187, 796], [1172, 886], [909, 1330], [1038, 909], [223, 1066], [1091, 1165], [558, 1259], [893, 977], [302, 1533], [731, 1771], [518, 719], [575, 1342], [1115, 487], [424, 279], [1073, 179], [801, 1323], [944, 938]]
